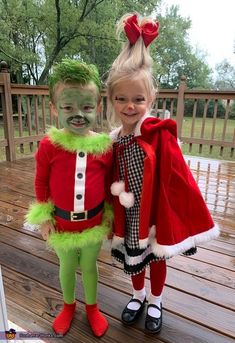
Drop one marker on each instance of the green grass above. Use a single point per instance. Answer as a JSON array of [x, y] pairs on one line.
[[219, 126], [187, 123]]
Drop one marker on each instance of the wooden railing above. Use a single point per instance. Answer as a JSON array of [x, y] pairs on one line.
[[25, 115]]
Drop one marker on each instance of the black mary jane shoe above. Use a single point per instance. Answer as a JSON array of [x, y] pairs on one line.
[[130, 316], [153, 324]]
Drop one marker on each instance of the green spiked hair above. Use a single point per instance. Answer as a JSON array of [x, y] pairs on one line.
[[71, 71]]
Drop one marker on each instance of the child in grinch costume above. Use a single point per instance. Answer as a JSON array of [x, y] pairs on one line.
[[72, 168]]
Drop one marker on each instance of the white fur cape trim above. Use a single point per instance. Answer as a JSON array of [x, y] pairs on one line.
[[167, 251]]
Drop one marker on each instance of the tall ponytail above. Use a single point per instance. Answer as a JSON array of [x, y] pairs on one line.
[[135, 52], [134, 60]]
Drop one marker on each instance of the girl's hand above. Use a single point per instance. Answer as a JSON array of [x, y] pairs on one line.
[[46, 229]]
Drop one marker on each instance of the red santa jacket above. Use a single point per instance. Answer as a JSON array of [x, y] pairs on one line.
[[173, 213], [72, 181]]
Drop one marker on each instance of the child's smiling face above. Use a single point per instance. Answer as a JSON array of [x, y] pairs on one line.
[[131, 101], [76, 106]]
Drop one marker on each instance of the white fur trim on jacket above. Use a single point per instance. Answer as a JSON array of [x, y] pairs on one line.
[[167, 251]]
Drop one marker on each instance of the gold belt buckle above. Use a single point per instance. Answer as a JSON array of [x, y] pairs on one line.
[[78, 216]]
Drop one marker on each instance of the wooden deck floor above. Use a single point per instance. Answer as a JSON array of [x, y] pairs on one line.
[[199, 297]]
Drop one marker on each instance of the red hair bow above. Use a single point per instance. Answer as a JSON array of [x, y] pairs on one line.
[[149, 30]]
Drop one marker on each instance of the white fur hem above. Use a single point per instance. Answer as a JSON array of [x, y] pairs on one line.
[[167, 251], [117, 241], [143, 243]]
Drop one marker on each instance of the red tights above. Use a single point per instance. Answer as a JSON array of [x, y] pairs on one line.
[[157, 278]]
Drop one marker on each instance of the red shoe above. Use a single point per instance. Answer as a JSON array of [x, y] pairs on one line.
[[98, 322], [63, 321]]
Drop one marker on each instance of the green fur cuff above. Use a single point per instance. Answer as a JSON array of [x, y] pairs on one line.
[[40, 212], [93, 144], [69, 240]]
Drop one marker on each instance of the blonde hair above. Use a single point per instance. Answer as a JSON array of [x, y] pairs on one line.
[[134, 62]]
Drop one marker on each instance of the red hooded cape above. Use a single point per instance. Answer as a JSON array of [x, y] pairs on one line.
[[173, 213]]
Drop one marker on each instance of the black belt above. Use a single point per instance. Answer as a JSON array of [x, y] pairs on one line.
[[77, 216]]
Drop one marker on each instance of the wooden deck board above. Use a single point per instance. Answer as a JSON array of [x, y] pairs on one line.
[[199, 296]]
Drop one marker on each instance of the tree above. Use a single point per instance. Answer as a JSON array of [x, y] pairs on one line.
[[174, 56], [42, 32], [18, 37], [225, 76], [232, 113], [37, 33], [102, 46]]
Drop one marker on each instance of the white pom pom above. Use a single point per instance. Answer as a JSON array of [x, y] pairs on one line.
[[126, 199], [117, 187]]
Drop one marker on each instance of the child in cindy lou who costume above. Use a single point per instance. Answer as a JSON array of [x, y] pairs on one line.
[[159, 211], [72, 166]]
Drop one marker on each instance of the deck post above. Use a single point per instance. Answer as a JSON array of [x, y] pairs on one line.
[[7, 112], [180, 106]]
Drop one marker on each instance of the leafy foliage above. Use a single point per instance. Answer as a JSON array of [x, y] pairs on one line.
[[37, 33], [174, 56], [225, 78]]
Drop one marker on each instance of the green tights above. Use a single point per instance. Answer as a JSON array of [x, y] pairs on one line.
[[86, 259]]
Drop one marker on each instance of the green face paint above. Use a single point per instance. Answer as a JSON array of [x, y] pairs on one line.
[[77, 108]]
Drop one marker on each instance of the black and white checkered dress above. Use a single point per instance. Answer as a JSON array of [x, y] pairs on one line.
[[132, 156]]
